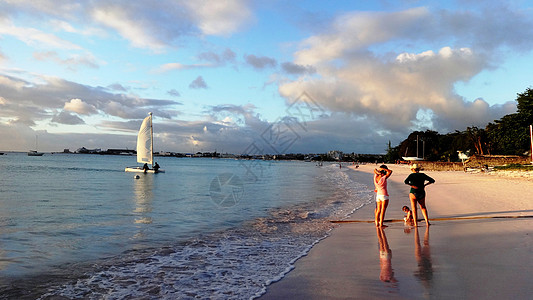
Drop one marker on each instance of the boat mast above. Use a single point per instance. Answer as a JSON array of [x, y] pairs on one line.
[[417, 146], [151, 141], [531, 135]]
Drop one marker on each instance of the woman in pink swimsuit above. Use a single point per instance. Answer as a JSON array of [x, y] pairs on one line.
[[382, 195]]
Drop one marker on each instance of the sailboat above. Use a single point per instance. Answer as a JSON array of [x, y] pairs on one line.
[[35, 152], [414, 158], [145, 146]]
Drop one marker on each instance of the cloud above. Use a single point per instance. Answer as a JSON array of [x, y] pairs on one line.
[[144, 23], [55, 8], [378, 74], [295, 69], [344, 132], [215, 17], [67, 118], [178, 66], [198, 83], [167, 21], [355, 31], [61, 25], [213, 59], [236, 114], [39, 100], [174, 93], [361, 71], [122, 19], [35, 38], [71, 62], [485, 29], [117, 87], [80, 107], [260, 62], [394, 91], [218, 59]]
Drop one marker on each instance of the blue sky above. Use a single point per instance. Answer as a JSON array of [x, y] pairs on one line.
[[221, 75]]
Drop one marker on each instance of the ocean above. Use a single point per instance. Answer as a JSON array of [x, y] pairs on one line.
[[76, 226]]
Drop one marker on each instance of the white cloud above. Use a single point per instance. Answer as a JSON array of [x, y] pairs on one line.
[[39, 100], [356, 31], [178, 66], [135, 30], [35, 37], [80, 107], [363, 68], [392, 92], [156, 25], [71, 62], [215, 17], [63, 26]]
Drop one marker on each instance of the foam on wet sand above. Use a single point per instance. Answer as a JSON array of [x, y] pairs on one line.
[[476, 258]]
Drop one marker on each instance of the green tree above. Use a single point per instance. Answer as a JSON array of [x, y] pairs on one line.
[[392, 154], [510, 134], [478, 138]]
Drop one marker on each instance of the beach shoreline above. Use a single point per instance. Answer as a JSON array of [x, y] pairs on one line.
[[487, 256]]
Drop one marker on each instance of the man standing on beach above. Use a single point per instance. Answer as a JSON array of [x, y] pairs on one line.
[[417, 194], [382, 196]]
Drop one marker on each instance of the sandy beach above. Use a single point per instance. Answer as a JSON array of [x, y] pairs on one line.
[[479, 245]]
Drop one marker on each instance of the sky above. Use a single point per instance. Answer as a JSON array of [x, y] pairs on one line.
[[250, 77]]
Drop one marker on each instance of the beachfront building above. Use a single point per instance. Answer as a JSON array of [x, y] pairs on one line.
[[335, 154]]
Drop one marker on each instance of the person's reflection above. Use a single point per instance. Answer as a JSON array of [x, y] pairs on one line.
[[423, 258], [143, 189], [385, 257]]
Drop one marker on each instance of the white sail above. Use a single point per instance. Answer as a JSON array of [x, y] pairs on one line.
[[145, 146], [144, 141]]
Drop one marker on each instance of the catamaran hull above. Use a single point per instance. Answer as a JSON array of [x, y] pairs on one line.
[[140, 170], [410, 158], [34, 153]]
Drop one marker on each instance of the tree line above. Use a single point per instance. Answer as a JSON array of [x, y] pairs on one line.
[[506, 136]]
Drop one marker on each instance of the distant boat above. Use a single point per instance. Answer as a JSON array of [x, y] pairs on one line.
[[145, 148], [414, 158], [35, 152], [411, 158]]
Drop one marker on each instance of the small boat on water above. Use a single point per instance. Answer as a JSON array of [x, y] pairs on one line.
[[35, 152], [145, 146]]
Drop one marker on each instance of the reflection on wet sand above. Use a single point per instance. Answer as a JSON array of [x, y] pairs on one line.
[[385, 257], [144, 195], [423, 258]]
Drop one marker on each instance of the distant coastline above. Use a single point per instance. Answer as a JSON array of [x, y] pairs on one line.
[[331, 156]]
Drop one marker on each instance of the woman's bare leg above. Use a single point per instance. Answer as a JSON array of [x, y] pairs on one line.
[[384, 205], [376, 213], [424, 210], [412, 198]]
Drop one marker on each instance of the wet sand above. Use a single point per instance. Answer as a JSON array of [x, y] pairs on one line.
[[486, 257]]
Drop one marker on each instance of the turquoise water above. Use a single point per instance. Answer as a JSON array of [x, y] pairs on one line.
[[79, 226]]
